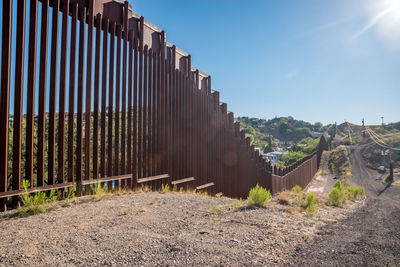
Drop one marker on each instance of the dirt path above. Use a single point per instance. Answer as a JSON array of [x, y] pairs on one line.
[[324, 179], [369, 237]]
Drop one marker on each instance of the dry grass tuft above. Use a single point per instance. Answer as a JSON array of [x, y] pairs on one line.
[[284, 198]]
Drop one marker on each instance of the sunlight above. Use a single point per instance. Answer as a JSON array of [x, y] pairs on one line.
[[385, 19]]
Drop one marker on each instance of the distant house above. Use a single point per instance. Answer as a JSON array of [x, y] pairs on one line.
[[316, 134], [274, 156]]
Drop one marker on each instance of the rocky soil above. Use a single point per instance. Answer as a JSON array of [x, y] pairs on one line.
[[181, 229], [155, 229]]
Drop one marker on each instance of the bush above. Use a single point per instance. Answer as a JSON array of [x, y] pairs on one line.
[[70, 193], [298, 197], [165, 188], [38, 203], [310, 203], [99, 191], [337, 197], [258, 196], [338, 184], [355, 191]]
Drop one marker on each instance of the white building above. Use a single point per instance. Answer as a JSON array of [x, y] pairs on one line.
[[274, 156]]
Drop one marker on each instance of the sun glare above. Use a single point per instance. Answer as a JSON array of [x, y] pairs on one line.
[[385, 20]]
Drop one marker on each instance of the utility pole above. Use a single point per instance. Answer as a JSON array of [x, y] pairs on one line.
[[363, 125], [390, 166]]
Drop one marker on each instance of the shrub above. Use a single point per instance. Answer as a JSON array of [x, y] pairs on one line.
[[237, 204], [99, 191], [70, 193], [355, 191], [338, 184], [310, 203], [175, 188], [258, 196], [298, 197], [337, 197], [38, 203], [165, 188], [213, 209]]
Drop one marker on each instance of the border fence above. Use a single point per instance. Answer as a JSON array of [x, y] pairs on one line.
[[93, 92]]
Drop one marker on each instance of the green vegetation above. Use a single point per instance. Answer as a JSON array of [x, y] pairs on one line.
[[258, 196], [354, 191], [213, 209], [310, 203], [99, 191], [305, 147], [70, 193], [337, 196], [261, 132], [339, 160], [165, 188], [37, 203], [298, 197], [237, 204]]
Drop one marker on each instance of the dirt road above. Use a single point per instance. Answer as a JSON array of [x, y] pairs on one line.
[[369, 237]]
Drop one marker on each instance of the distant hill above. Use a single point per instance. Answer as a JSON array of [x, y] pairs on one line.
[[372, 152], [286, 129]]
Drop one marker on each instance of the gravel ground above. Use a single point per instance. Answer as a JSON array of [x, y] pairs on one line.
[[155, 229], [368, 237]]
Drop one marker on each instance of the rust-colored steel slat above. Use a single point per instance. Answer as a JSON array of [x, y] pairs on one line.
[[71, 100], [123, 107], [116, 169], [150, 115], [53, 93], [104, 99], [140, 102], [158, 121], [169, 109], [30, 110], [88, 106], [135, 109], [18, 89], [63, 70], [110, 101], [163, 147], [144, 122], [42, 93], [130, 110], [96, 98], [4, 98], [79, 129]]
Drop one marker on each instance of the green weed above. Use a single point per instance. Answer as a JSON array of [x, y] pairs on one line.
[[258, 196], [355, 191], [310, 203]]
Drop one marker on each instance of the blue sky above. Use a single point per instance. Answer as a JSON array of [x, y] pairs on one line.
[[315, 60]]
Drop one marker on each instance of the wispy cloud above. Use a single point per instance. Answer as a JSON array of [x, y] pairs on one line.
[[372, 23], [324, 27], [291, 74]]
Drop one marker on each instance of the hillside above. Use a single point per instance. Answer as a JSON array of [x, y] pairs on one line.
[[372, 152], [286, 129]]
